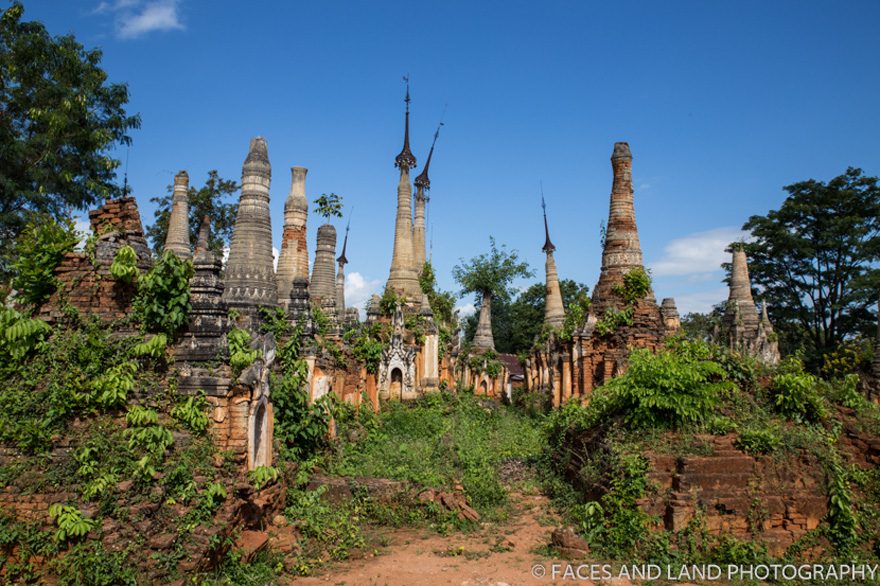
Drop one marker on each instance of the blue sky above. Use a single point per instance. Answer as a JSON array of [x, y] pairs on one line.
[[722, 104]]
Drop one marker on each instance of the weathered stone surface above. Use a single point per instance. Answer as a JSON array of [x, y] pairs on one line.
[[177, 239], [622, 251], [323, 284], [747, 331], [554, 312], [404, 277], [204, 339], [250, 275], [483, 338], [250, 543], [569, 544]]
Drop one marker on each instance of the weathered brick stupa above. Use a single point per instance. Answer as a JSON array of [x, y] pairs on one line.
[[249, 275], [177, 239], [746, 331], [293, 259], [622, 252], [322, 288], [554, 313], [404, 277], [599, 350], [483, 338]]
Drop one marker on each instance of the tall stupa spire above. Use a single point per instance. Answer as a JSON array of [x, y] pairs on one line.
[[249, 275], [293, 259], [177, 239], [554, 312], [423, 185], [404, 275], [622, 252]]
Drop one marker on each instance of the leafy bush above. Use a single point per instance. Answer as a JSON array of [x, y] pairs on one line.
[[795, 396], [162, 304], [666, 389], [191, 413], [70, 521], [124, 266], [240, 354], [19, 335], [758, 441], [38, 251]]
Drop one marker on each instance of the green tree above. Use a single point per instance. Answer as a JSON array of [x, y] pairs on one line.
[[814, 260], [206, 201], [516, 323], [489, 275], [329, 206], [59, 119]]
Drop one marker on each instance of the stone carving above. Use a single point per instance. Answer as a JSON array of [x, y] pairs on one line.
[[398, 365], [250, 276], [177, 239], [293, 259]]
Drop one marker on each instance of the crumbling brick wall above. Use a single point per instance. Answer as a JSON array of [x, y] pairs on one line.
[[84, 280]]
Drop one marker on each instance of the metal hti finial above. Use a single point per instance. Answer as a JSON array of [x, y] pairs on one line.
[[548, 246], [406, 158], [342, 260], [422, 180]]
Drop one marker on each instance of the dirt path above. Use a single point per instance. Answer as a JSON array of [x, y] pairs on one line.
[[494, 555]]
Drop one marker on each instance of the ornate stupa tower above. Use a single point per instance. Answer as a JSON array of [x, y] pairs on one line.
[[746, 330], [423, 186], [404, 276], [323, 285], [622, 252], [554, 312], [340, 277], [293, 259], [249, 275], [177, 239]]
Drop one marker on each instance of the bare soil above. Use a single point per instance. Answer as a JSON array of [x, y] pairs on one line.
[[493, 555]]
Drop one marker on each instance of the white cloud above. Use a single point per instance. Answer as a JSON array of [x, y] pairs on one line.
[[701, 302], [275, 259], [358, 290], [701, 252], [466, 310], [136, 18]]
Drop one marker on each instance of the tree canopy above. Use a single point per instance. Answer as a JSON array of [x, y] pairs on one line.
[[490, 272], [206, 201], [516, 323], [59, 119], [814, 260]]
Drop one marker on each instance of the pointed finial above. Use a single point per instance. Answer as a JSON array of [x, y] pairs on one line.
[[406, 158], [548, 246], [342, 260], [125, 180], [422, 180]]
